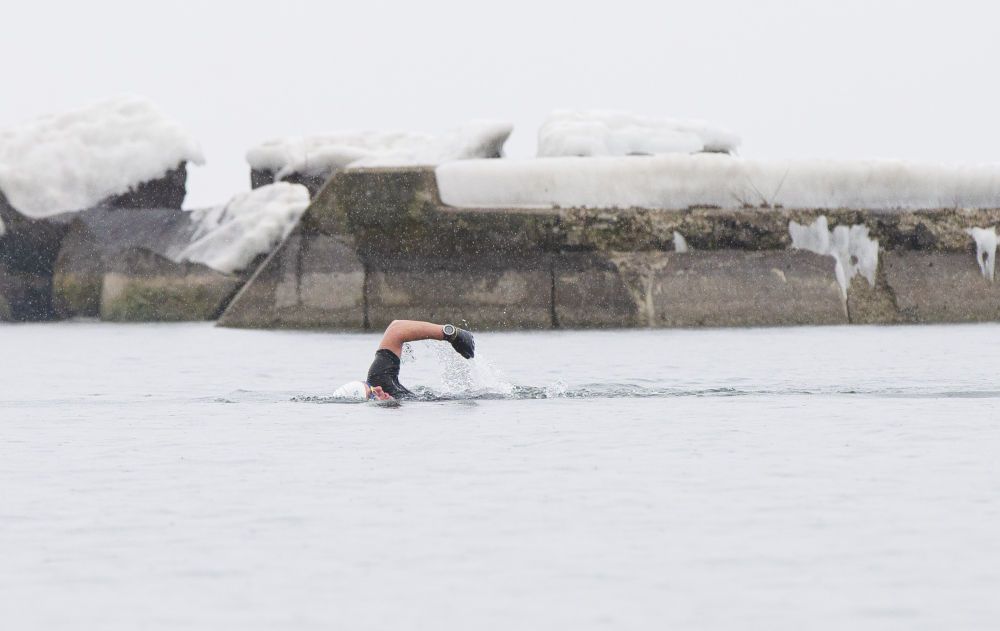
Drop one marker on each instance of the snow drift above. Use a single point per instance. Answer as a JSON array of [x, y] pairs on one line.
[[342, 149], [684, 181], [608, 133], [71, 161], [228, 238]]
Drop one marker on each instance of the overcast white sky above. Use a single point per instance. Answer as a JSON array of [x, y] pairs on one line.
[[843, 79]]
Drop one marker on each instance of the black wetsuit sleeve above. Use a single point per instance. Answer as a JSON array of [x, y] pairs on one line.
[[384, 372]]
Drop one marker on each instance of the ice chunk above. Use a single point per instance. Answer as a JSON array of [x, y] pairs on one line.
[[853, 251], [862, 253], [815, 237], [986, 249], [680, 181], [680, 245], [610, 133], [229, 237], [72, 161], [3, 228], [338, 150]]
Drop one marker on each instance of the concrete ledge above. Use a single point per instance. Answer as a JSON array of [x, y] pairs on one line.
[[149, 288], [378, 244]]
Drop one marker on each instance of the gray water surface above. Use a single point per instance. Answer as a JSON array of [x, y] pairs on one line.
[[183, 476]]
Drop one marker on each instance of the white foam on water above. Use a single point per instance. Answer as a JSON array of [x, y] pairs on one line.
[[986, 249], [436, 366]]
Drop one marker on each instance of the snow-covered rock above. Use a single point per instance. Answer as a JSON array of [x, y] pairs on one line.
[[683, 181], [312, 159], [609, 133], [164, 263], [228, 238], [74, 160]]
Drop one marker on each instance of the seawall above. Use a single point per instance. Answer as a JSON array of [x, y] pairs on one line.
[[378, 244]]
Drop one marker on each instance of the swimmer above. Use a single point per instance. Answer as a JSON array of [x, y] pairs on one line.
[[383, 375]]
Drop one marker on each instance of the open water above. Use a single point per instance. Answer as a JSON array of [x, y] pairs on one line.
[[188, 477]]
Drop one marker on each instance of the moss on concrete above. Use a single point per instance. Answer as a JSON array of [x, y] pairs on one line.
[[76, 295], [158, 299]]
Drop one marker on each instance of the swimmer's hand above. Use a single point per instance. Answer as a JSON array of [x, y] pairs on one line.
[[463, 343]]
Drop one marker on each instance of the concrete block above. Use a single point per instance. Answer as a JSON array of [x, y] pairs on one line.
[[590, 292], [311, 280], [485, 299], [77, 294], [145, 287], [733, 288], [872, 304], [327, 283], [940, 287]]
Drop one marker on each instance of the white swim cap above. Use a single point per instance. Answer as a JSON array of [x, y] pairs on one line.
[[354, 390]]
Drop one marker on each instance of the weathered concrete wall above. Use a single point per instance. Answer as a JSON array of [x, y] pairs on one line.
[[145, 287], [402, 254], [28, 249], [311, 280], [54, 267], [113, 265]]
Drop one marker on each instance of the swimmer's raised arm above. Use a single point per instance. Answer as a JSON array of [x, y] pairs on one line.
[[401, 331]]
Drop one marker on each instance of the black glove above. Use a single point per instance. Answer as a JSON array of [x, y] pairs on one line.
[[463, 343]]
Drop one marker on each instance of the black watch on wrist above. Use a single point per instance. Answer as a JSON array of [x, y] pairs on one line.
[[449, 332]]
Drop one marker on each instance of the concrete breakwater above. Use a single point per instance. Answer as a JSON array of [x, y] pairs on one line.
[[378, 244], [110, 261]]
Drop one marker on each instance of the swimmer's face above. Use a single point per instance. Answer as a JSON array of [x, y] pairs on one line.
[[379, 395]]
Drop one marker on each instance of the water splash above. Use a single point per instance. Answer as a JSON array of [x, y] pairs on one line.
[[633, 391]]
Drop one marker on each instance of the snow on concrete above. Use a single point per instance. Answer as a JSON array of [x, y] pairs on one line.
[[853, 251], [229, 237], [610, 133], [73, 160], [339, 150], [475, 139], [986, 250], [680, 181], [680, 245], [3, 228]]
